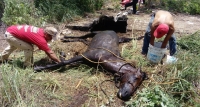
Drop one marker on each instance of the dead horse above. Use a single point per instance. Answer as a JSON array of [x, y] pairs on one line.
[[103, 50]]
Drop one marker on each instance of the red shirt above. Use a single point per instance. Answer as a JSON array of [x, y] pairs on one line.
[[30, 34]]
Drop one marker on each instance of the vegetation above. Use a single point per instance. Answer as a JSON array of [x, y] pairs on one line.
[[182, 6], [170, 85], [173, 85], [1, 8], [38, 12], [21, 12], [191, 43]]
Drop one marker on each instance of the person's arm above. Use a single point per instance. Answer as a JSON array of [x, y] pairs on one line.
[[168, 36], [153, 28], [53, 56]]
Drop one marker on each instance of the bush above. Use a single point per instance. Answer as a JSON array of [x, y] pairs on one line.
[[21, 12], [183, 6], [63, 10], [1, 8]]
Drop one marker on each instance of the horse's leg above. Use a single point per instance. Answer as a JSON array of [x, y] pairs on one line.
[[79, 38], [82, 37], [124, 39], [76, 40], [63, 63], [81, 28]]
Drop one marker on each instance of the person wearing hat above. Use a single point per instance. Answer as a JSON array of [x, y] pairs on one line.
[[24, 37], [161, 23]]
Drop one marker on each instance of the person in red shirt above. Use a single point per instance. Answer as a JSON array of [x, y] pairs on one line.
[[24, 37]]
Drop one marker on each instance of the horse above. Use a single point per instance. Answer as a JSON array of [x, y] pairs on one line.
[[116, 23], [103, 50]]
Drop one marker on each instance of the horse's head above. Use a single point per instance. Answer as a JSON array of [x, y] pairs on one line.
[[129, 82]]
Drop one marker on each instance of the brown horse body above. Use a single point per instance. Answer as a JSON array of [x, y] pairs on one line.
[[103, 49]]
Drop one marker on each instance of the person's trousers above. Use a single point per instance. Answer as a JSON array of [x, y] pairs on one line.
[[147, 37], [13, 44], [133, 3]]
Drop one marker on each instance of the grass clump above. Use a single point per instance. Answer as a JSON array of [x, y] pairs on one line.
[[13, 86], [191, 43]]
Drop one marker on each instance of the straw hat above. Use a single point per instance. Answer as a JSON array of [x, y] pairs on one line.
[[51, 31]]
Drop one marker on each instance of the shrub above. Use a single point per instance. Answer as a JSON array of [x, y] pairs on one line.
[[21, 12], [63, 10], [1, 8], [153, 97], [183, 6]]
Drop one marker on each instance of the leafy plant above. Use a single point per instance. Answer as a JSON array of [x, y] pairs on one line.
[[153, 97], [1, 7], [183, 6], [65, 10], [21, 12]]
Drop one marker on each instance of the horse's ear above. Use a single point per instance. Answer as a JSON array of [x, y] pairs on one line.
[[138, 71]]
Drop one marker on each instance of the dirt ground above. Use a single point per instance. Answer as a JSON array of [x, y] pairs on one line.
[[184, 24]]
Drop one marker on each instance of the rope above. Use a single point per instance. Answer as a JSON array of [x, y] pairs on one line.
[[104, 61], [98, 61], [111, 52]]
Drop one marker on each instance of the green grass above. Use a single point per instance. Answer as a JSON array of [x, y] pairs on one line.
[[168, 85], [173, 85]]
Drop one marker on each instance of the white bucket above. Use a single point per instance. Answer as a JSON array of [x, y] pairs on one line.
[[155, 54]]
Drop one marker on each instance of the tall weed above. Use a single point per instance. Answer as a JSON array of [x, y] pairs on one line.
[[183, 6], [11, 87], [21, 12], [65, 10]]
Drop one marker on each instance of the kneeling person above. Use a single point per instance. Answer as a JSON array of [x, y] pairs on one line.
[[24, 37]]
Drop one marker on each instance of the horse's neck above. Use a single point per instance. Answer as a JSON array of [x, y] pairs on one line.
[[117, 67], [126, 67]]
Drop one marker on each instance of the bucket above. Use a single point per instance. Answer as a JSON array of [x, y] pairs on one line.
[[155, 54]]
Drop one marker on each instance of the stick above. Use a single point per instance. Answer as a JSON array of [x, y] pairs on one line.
[[79, 83]]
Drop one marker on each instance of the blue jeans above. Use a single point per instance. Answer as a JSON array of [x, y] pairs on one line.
[[147, 37]]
